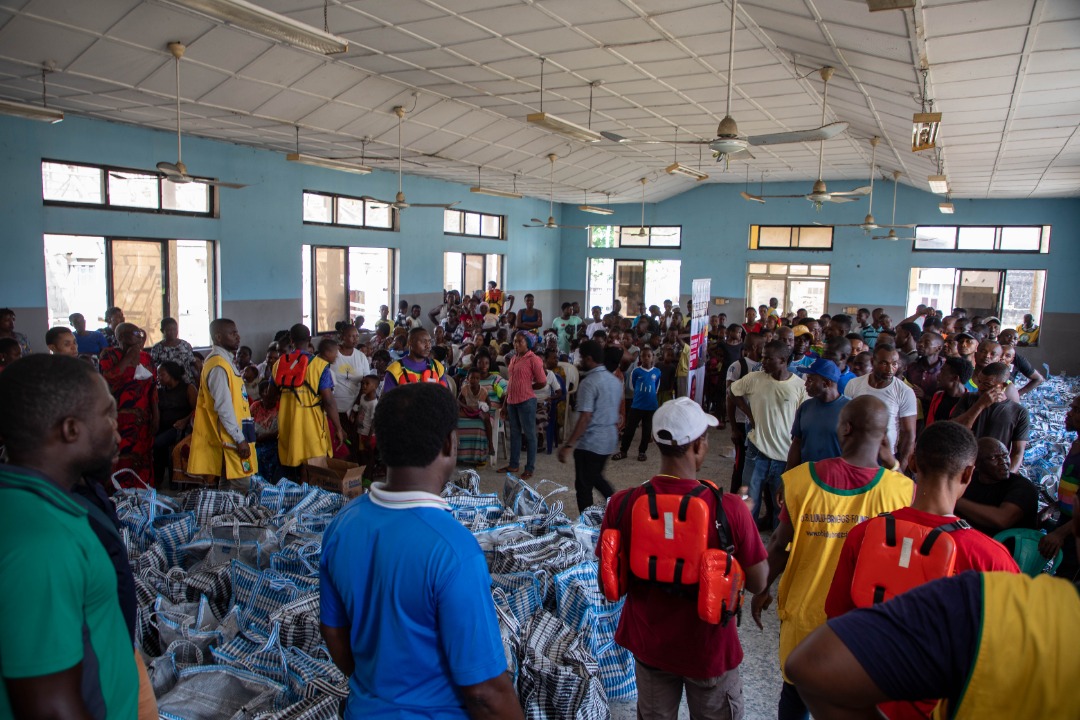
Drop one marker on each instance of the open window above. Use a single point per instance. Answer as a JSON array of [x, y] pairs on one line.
[[1006, 294]]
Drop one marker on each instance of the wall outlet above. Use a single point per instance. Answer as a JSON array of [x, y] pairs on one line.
[[720, 301]]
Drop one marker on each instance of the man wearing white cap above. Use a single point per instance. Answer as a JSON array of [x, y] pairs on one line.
[[705, 657]]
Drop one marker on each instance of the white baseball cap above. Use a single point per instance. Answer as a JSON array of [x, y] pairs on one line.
[[682, 421]]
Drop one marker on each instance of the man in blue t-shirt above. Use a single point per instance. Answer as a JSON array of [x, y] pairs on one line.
[[813, 434], [406, 606], [645, 382]]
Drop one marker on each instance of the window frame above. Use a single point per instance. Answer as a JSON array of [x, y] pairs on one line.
[[615, 261], [1003, 279], [502, 269], [394, 215], [787, 276], [480, 216], [754, 238], [1043, 249], [346, 310], [211, 192], [618, 230]]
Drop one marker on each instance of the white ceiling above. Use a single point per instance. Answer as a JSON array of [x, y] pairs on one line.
[[1005, 73]]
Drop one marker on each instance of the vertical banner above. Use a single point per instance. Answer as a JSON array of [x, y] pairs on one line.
[[699, 327]]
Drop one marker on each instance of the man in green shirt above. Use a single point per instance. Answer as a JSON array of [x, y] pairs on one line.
[[64, 649]]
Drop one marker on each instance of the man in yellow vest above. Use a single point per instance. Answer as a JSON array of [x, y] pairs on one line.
[[417, 366], [822, 501], [223, 435], [303, 386], [991, 645]]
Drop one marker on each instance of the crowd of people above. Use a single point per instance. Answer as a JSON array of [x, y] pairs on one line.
[[832, 418]]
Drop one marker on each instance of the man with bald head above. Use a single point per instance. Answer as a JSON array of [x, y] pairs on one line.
[[822, 502], [991, 413], [998, 499]]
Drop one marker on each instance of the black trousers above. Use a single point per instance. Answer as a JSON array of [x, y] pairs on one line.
[[634, 417], [589, 474]]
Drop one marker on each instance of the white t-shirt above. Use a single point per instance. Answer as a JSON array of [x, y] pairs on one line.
[[773, 403], [734, 372], [898, 398], [348, 371], [366, 416], [593, 327], [549, 389]]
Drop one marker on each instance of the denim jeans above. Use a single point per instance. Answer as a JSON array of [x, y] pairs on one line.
[[589, 474], [766, 478], [791, 705], [523, 420]]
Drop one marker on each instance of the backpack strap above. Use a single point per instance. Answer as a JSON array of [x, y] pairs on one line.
[[931, 537], [723, 528]]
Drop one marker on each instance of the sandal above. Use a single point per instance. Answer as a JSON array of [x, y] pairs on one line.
[[508, 469], [642, 457], [619, 456]]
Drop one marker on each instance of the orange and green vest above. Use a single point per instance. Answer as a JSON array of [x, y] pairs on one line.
[[213, 451], [403, 375], [822, 516]]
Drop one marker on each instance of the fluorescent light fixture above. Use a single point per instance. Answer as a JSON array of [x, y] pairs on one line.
[[938, 184], [595, 210], [924, 130], [31, 112], [680, 169], [563, 127], [496, 193], [329, 163], [946, 208], [251, 17]]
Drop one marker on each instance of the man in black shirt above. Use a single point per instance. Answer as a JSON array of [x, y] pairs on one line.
[[989, 413], [997, 499]]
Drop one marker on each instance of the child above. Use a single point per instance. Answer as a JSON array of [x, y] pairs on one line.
[[472, 403], [250, 374], [402, 318], [266, 436], [645, 379], [363, 416], [328, 351], [10, 351], [666, 390]]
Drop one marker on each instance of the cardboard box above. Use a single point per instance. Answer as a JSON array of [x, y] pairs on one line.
[[335, 475]]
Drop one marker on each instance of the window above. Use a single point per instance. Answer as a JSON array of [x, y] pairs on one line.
[[148, 279], [779, 237], [794, 285], [468, 272], [121, 188], [344, 211], [474, 224], [1006, 294], [655, 236], [343, 282], [632, 282], [984, 238]]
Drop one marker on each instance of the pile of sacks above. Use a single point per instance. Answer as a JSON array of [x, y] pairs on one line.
[[228, 600], [1049, 443]]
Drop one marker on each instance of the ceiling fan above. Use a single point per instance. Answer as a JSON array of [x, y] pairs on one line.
[[551, 224], [730, 145], [399, 201], [642, 231], [819, 194], [177, 172], [892, 233], [868, 224]]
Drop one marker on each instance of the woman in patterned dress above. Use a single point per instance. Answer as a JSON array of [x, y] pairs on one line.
[[129, 370], [172, 348]]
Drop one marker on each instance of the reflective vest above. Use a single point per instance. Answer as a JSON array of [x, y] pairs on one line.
[[302, 428], [669, 544], [822, 516], [898, 555], [1025, 666], [213, 451], [403, 375]]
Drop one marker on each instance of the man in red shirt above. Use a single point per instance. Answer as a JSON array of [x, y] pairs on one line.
[[673, 648], [945, 460]]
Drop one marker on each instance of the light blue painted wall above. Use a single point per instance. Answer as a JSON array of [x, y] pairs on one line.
[[715, 224], [260, 228]]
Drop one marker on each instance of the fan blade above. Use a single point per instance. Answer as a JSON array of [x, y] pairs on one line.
[[752, 198], [824, 132], [613, 137], [170, 170], [376, 201], [860, 191], [899, 226], [444, 206], [220, 183], [779, 197], [839, 199]]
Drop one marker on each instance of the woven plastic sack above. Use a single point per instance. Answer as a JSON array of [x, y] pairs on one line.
[[215, 584], [582, 606], [319, 501], [193, 622], [559, 676], [298, 558], [206, 504], [314, 675], [282, 497], [222, 543], [525, 499], [323, 707], [509, 631], [259, 594], [299, 623], [211, 692], [523, 592]]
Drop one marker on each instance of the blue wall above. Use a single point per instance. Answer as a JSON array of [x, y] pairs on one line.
[[715, 224], [260, 228]]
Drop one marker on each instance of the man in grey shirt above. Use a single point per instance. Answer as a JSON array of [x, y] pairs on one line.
[[595, 436]]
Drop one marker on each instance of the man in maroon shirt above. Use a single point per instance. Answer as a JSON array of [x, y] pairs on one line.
[[673, 648]]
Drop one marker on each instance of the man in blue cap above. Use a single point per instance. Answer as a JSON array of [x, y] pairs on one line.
[[813, 434]]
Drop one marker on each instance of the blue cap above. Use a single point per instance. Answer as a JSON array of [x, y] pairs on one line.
[[826, 369]]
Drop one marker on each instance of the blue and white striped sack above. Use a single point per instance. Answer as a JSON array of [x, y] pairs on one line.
[[298, 558], [322, 707], [318, 501], [509, 631], [212, 692], [524, 593], [272, 590], [582, 606]]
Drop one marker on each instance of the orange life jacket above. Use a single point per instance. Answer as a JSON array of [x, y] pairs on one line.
[[898, 555], [291, 370], [669, 544]]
